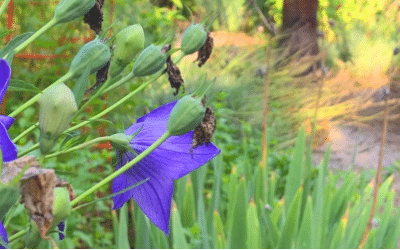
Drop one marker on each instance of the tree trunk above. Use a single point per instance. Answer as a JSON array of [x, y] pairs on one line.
[[299, 29]]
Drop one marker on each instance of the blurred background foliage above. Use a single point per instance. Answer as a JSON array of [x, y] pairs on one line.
[[358, 38]]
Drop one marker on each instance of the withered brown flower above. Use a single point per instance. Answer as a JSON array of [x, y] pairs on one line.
[[95, 16], [203, 133], [205, 50], [174, 74]]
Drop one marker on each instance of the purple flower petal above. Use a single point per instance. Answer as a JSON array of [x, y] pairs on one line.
[[3, 235], [171, 160], [5, 74], [8, 148], [153, 196], [6, 121]]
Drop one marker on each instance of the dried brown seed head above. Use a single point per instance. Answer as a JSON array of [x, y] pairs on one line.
[[95, 16], [174, 76], [205, 50], [203, 133]]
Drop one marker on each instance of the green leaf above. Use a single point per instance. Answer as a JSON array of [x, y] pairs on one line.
[[8, 51], [319, 204], [237, 233], [290, 227], [305, 235], [253, 227], [122, 237], [19, 85], [294, 176], [189, 209], [178, 235], [219, 234], [142, 228]]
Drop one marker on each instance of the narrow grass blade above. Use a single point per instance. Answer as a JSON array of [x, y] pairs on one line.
[[294, 176], [178, 235], [142, 229], [189, 208], [219, 234], [304, 237], [122, 237], [290, 228], [253, 227], [237, 230]]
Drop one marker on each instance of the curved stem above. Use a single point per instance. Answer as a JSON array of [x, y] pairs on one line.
[[38, 33], [122, 81], [100, 91], [36, 146], [64, 78], [111, 177], [4, 6], [88, 143], [18, 235], [25, 132]]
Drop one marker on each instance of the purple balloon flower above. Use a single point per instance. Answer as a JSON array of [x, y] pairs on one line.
[[3, 235], [170, 161], [8, 148]]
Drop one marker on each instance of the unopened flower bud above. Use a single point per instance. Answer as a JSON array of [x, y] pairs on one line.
[[61, 205], [193, 38], [68, 10], [94, 54], [121, 141], [186, 115], [128, 43], [57, 106], [149, 61], [61, 210]]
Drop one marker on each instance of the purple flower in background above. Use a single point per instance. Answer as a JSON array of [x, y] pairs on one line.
[[170, 161], [3, 235], [8, 148], [61, 228]]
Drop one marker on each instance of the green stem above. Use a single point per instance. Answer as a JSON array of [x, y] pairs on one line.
[[99, 92], [4, 6], [83, 145], [64, 78], [10, 214], [122, 81], [111, 177], [25, 132], [38, 33], [36, 146], [17, 235], [158, 74], [111, 108]]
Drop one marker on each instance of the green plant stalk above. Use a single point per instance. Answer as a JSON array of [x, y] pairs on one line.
[[26, 131], [83, 145], [9, 217], [99, 92], [111, 177], [36, 146], [109, 109], [38, 33], [4, 6], [64, 78], [18, 235], [159, 73]]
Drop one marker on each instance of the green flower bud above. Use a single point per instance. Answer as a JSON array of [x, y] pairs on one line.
[[186, 115], [57, 106], [193, 38], [8, 198], [61, 210], [149, 61], [68, 10], [121, 141], [94, 54], [61, 205], [128, 43]]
